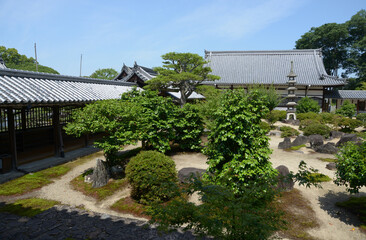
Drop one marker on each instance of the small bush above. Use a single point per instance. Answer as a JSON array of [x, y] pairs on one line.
[[265, 126], [317, 128], [306, 122], [348, 109], [276, 115], [307, 105], [288, 131], [308, 115], [348, 124], [153, 177], [327, 117], [361, 117]]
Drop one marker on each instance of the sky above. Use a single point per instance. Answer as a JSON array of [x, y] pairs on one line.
[[111, 33]]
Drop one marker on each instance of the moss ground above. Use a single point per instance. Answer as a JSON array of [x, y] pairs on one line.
[[28, 207]]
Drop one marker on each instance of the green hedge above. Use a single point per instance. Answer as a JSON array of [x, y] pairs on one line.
[[317, 128]]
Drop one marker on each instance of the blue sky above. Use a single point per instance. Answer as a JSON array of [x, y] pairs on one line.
[[109, 33]]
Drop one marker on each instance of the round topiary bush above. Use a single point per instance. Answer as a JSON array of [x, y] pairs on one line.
[[153, 177], [317, 128]]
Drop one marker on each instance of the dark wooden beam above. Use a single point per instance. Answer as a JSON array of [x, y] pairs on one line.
[[57, 134], [12, 138], [358, 106]]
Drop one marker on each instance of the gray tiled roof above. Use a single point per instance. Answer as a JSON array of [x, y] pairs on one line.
[[346, 94], [267, 67], [23, 87], [194, 95]]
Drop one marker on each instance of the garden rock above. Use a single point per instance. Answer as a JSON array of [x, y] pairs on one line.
[[100, 174], [331, 166], [300, 140], [316, 140], [336, 134], [292, 122], [284, 183], [185, 173], [347, 138], [329, 148], [286, 144]]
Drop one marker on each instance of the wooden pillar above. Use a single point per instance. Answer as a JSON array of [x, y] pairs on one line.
[[12, 138], [24, 125], [323, 100], [59, 148], [306, 90], [358, 106], [232, 87]]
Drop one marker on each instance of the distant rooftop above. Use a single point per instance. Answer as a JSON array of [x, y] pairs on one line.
[[267, 67], [346, 94]]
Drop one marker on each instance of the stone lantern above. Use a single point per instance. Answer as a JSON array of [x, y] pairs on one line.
[[291, 96]]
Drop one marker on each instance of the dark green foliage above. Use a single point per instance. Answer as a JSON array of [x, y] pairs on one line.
[[348, 109], [361, 117], [222, 214], [306, 176], [17, 61], [327, 117], [351, 166], [306, 104], [188, 128], [153, 177], [105, 73], [317, 128], [306, 122], [308, 115], [275, 115], [156, 119], [207, 107], [288, 131], [272, 96], [183, 71], [238, 149]]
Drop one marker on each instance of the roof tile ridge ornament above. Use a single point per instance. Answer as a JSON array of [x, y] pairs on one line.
[[2, 62]]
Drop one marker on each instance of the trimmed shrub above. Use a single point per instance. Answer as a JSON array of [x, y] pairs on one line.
[[317, 128], [308, 115], [306, 104], [361, 117], [306, 122], [275, 115], [348, 109], [153, 177], [327, 117], [348, 124], [265, 126], [288, 131], [188, 128]]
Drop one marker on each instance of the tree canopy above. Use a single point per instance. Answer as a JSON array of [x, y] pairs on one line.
[[15, 60], [105, 73], [183, 72], [343, 46]]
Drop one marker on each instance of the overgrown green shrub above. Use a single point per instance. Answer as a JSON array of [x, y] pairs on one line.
[[153, 177], [317, 128], [288, 131], [309, 115], [351, 166], [306, 104], [306, 122], [188, 128], [361, 117], [275, 115], [348, 109]]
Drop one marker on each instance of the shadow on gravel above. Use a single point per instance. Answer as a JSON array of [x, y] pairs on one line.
[[328, 204], [63, 222]]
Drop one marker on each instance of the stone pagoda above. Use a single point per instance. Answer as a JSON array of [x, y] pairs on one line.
[[291, 96]]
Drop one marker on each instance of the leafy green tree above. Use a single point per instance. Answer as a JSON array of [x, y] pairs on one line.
[[105, 73], [332, 38], [120, 121], [209, 105], [273, 98], [351, 167], [347, 109], [183, 72], [306, 104], [238, 149], [15, 60]]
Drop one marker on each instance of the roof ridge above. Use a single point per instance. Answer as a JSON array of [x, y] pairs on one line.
[[58, 77], [253, 52]]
